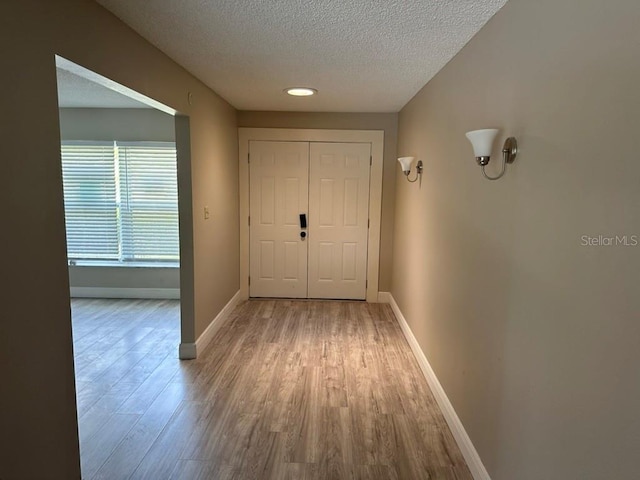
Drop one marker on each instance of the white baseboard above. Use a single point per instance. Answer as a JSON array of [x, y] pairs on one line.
[[106, 292], [469, 452], [191, 350], [384, 297], [187, 351]]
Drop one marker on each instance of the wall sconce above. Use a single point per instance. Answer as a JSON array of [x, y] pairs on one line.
[[482, 141], [405, 163]]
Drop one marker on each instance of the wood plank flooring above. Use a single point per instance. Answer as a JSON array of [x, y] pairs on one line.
[[286, 390]]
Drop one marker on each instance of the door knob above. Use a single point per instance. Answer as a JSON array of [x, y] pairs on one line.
[[303, 234]]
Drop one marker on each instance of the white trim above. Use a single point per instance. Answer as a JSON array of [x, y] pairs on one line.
[[187, 351], [374, 137], [384, 297], [222, 317], [469, 452], [108, 292]]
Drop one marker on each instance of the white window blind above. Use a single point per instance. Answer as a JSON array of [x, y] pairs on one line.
[[149, 203], [90, 200], [121, 201]]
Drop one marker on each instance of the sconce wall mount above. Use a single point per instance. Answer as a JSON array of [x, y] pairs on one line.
[[482, 142], [405, 163]]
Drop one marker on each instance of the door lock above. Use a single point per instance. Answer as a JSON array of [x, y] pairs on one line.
[[303, 225]]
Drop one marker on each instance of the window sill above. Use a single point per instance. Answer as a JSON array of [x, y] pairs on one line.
[[98, 263]]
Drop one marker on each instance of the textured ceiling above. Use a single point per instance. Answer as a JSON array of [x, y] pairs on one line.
[[78, 92], [361, 55]]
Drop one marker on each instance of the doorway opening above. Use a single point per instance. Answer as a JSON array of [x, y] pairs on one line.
[[336, 179], [119, 157], [309, 206]]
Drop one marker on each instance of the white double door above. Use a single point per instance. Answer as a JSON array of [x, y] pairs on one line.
[[326, 184]]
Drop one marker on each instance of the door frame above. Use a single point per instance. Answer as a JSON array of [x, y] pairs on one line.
[[374, 137]]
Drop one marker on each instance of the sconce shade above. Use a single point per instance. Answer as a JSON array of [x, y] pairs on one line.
[[405, 163], [482, 141]]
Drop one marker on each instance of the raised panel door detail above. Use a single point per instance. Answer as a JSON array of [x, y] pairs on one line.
[[351, 199], [267, 260], [291, 264], [278, 194], [325, 202], [349, 262], [267, 201], [325, 257], [338, 219], [292, 201]]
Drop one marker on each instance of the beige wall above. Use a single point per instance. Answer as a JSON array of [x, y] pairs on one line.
[[123, 124], [38, 430], [124, 277], [534, 337], [348, 121]]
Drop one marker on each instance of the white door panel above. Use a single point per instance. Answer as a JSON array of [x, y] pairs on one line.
[[338, 219], [278, 183]]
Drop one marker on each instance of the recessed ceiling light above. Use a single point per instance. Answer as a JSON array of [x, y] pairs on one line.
[[301, 91]]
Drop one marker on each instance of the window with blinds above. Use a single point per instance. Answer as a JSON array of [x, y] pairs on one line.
[[91, 200], [121, 201]]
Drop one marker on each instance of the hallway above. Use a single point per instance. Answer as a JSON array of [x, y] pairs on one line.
[[286, 389]]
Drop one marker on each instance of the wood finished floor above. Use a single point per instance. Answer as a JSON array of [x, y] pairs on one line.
[[286, 390]]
